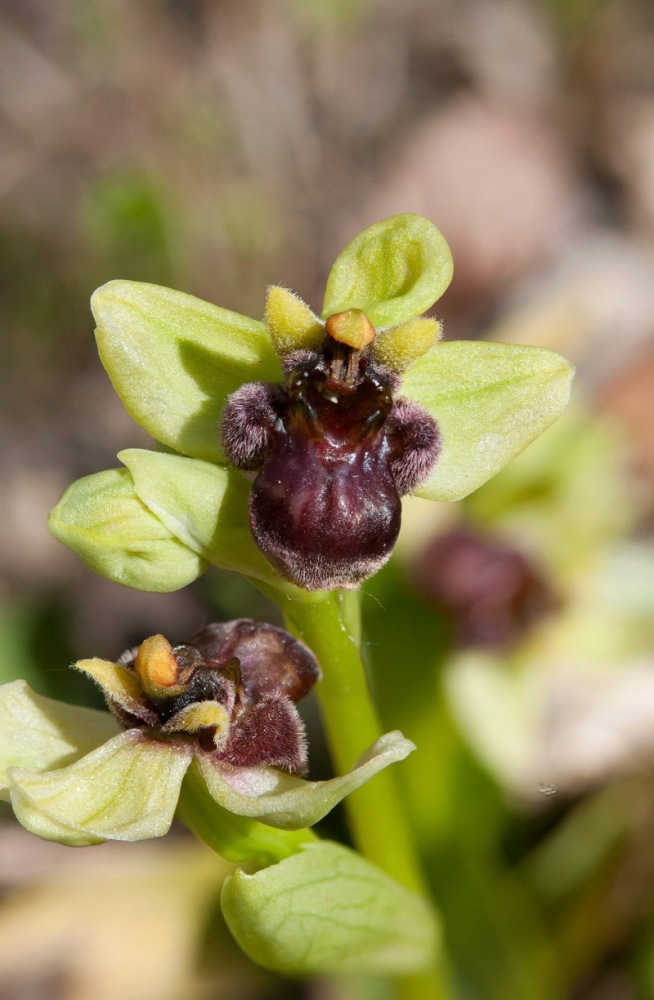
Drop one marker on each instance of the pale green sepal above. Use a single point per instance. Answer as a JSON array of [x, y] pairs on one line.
[[490, 402], [39, 733], [173, 360], [393, 271], [104, 522], [205, 506], [327, 909], [236, 838], [286, 801], [125, 790]]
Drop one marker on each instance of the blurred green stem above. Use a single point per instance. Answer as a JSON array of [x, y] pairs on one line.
[[331, 627]]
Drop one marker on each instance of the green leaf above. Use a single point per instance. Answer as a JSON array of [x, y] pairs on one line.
[[39, 733], [205, 506], [393, 271], [327, 909], [124, 790], [173, 360], [104, 522], [286, 801], [490, 402]]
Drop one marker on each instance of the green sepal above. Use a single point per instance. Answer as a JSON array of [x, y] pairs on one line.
[[173, 360], [205, 506], [393, 271], [235, 838], [490, 401], [39, 733], [103, 521], [288, 802], [326, 909], [127, 789]]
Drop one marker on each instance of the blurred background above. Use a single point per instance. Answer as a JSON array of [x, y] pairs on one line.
[[217, 146]]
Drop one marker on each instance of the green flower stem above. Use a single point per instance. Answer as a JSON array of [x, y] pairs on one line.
[[330, 627], [236, 838]]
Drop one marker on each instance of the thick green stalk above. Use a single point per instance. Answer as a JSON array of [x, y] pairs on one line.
[[330, 628], [330, 624]]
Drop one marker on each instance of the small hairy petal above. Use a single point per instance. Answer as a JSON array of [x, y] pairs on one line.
[[206, 685], [416, 443], [122, 691], [290, 322], [270, 733], [247, 424]]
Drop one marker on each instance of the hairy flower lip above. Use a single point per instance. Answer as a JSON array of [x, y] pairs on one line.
[[335, 452]]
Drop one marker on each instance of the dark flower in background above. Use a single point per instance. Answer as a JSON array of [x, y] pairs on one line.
[[489, 590]]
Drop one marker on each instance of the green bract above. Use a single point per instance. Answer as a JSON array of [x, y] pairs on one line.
[[174, 360], [128, 788], [325, 909]]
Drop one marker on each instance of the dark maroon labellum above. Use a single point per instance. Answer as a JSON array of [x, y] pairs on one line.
[[335, 453]]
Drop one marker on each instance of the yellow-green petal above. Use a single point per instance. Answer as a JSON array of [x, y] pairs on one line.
[[173, 360], [327, 909], [198, 716], [125, 790], [286, 801], [104, 522], [490, 402], [401, 346], [291, 323], [118, 684], [393, 271], [40, 733]]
